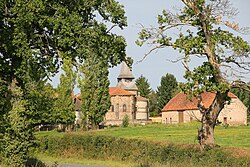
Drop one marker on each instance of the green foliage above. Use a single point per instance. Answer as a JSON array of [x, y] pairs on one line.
[[143, 86], [33, 34], [40, 102], [64, 110], [133, 150], [18, 137], [94, 86], [166, 90], [125, 121], [153, 109]]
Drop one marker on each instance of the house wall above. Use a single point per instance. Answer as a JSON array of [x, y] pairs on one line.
[[192, 115], [170, 117], [142, 110], [234, 114], [115, 116]]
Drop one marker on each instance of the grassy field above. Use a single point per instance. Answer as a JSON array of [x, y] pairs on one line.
[[235, 137]]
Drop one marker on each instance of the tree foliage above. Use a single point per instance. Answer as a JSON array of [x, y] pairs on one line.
[[167, 89], [34, 32], [94, 86], [64, 110], [205, 32], [153, 108], [143, 86]]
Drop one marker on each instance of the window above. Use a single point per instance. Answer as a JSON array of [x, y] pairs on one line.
[[117, 107], [225, 119], [170, 121], [124, 108], [112, 108]]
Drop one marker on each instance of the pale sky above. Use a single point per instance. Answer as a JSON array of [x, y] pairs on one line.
[[156, 65]]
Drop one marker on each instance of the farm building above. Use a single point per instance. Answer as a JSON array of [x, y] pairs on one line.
[[181, 109]]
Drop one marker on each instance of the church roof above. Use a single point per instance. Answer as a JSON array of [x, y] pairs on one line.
[[119, 91], [125, 72], [181, 102]]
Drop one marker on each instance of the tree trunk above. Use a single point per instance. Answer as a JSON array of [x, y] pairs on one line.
[[206, 134], [209, 119]]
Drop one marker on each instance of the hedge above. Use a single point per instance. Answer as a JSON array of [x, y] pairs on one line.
[[133, 150]]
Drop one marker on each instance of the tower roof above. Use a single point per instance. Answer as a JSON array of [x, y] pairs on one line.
[[125, 72]]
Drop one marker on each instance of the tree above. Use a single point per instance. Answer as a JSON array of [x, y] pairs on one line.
[[166, 90], [64, 110], [143, 86], [94, 86], [40, 99], [200, 24], [153, 109], [33, 33]]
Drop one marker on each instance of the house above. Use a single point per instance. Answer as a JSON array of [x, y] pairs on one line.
[[181, 109], [124, 101]]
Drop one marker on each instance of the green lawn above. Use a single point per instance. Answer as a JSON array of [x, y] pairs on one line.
[[237, 137]]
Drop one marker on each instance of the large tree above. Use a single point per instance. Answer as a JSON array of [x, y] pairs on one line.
[[64, 110], [94, 86], [32, 33], [167, 89], [205, 31], [143, 86]]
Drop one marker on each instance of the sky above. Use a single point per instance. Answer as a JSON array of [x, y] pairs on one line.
[[156, 65]]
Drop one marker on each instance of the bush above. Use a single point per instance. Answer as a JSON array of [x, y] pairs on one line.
[[136, 151], [125, 121]]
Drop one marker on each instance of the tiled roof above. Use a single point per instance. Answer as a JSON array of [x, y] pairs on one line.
[[139, 98], [181, 102], [119, 91]]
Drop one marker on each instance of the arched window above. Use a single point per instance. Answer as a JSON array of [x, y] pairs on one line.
[[112, 108], [124, 108]]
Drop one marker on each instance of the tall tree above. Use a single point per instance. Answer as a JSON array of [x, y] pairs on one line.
[[201, 24], [64, 110], [143, 86], [94, 86], [33, 32], [167, 89], [153, 107]]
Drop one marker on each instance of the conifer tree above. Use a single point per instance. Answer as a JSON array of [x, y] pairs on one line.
[[143, 86], [166, 90]]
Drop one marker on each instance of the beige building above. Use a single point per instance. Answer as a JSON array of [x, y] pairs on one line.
[[180, 109], [124, 101]]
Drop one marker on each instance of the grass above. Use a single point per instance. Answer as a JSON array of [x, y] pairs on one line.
[[230, 137], [236, 137], [62, 160]]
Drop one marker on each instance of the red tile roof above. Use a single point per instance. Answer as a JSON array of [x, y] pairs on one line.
[[119, 91], [139, 98], [181, 102]]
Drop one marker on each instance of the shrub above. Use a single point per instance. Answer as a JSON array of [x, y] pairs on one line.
[[125, 121]]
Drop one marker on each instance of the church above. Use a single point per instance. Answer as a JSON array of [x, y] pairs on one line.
[[125, 100]]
